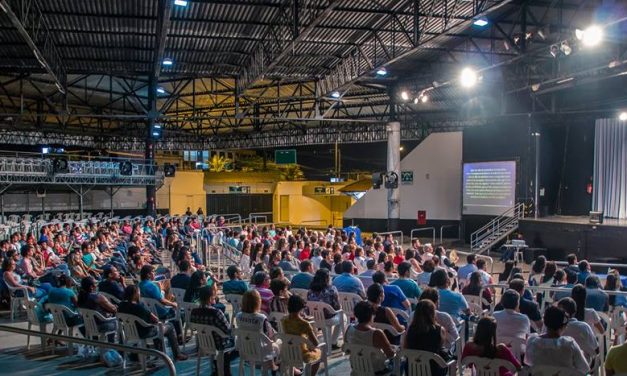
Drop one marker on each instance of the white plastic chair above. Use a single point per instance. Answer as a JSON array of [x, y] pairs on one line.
[[292, 355], [487, 366], [111, 298], [207, 346], [33, 319], [187, 308], [91, 326], [179, 295], [255, 348], [17, 302], [277, 317], [236, 302], [515, 344], [419, 362], [361, 359], [317, 309], [300, 292], [59, 323], [348, 301], [388, 328], [475, 303], [618, 320], [153, 305], [542, 370], [402, 313], [130, 334]]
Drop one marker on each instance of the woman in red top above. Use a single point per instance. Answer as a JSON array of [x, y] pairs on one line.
[[484, 345], [305, 253]]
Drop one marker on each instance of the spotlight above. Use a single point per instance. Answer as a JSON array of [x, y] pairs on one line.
[[45, 150], [565, 48], [555, 50], [126, 168], [424, 98], [335, 94], [60, 166], [401, 148], [156, 131], [622, 116], [404, 95], [481, 22], [167, 61], [160, 90], [591, 36], [468, 77], [169, 170], [382, 72], [181, 3], [416, 100]]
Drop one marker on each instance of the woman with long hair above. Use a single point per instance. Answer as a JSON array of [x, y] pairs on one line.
[[197, 281], [321, 290], [613, 283], [484, 345], [587, 315], [425, 334]]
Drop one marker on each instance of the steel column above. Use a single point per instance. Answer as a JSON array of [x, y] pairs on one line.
[[393, 130]]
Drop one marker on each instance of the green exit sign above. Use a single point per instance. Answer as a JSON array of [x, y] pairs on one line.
[[287, 156]]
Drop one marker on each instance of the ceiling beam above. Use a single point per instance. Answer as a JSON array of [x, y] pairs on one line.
[[163, 27]]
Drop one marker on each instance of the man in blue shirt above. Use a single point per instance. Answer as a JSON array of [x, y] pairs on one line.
[[405, 283], [465, 271], [235, 285], [451, 302], [303, 279], [346, 282], [394, 297], [584, 271], [287, 262], [149, 289], [183, 278], [596, 298]]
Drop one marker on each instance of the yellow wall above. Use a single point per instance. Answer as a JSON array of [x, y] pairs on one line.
[[306, 208], [259, 182], [185, 189]]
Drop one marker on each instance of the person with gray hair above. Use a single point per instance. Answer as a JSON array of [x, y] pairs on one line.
[[580, 331], [510, 322]]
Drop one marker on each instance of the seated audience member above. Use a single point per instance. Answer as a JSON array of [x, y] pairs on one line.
[[571, 280], [182, 279], [579, 330], [261, 283], [485, 345], [131, 305], [465, 271], [13, 279], [346, 282], [151, 289], [251, 318], [364, 334], [359, 260], [295, 324], [475, 285], [371, 268], [587, 315], [288, 264], [206, 314], [537, 271], [613, 283], [389, 269], [485, 276], [616, 360], [303, 279], [281, 295], [442, 318], [383, 315], [596, 298], [427, 269], [526, 306], [425, 334], [64, 295], [510, 322], [572, 264], [451, 302], [235, 285], [89, 298], [394, 297], [321, 290], [327, 260], [552, 348], [112, 282], [198, 280], [585, 270], [408, 286]]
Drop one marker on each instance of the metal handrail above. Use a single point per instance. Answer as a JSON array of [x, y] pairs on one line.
[[601, 264], [459, 230], [411, 233], [392, 233], [322, 222], [511, 215], [258, 215], [487, 258], [106, 345]]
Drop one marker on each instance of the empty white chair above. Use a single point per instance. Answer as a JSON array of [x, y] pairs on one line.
[[487, 366], [419, 362], [292, 355], [317, 309], [277, 318], [207, 346], [187, 308], [33, 319], [154, 305], [130, 334], [347, 302], [59, 323], [256, 349], [361, 359], [236, 302], [90, 320]]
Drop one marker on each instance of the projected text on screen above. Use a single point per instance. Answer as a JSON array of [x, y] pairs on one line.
[[489, 188]]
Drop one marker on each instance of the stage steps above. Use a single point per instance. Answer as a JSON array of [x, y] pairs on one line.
[[497, 229]]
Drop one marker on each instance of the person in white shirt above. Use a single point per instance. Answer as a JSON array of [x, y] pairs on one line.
[[316, 259], [465, 271], [579, 330], [510, 322], [554, 349], [360, 261]]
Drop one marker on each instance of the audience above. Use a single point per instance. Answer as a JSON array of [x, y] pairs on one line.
[[425, 334], [295, 324], [235, 285], [451, 302], [261, 283], [394, 297], [510, 322], [252, 319], [321, 290], [587, 315], [89, 298], [112, 282], [484, 344], [596, 298], [183, 278], [347, 282], [408, 286], [616, 360], [382, 314], [578, 330], [526, 306], [442, 318], [303, 279]]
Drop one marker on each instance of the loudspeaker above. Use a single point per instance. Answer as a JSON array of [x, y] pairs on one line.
[[391, 180], [60, 166], [126, 168], [596, 217], [169, 170], [377, 180]]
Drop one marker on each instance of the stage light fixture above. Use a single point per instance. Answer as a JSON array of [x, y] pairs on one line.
[[416, 100], [404, 95], [181, 3], [565, 48], [126, 168], [382, 72], [401, 148], [169, 170], [167, 61], [591, 36], [335, 94], [424, 98], [60, 166], [468, 77], [160, 90], [622, 116], [481, 22], [45, 150]]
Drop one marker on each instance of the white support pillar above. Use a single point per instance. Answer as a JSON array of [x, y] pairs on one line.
[[393, 129]]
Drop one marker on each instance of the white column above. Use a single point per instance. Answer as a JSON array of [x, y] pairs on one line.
[[394, 165]]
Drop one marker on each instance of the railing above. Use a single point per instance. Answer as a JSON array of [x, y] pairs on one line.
[[459, 230], [489, 259], [480, 239], [231, 217], [315, 222], [393, 233], [432, 229], [252, 217], [599, 264], [105, 345]]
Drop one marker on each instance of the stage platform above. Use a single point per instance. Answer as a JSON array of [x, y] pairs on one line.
[[561, 235]]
